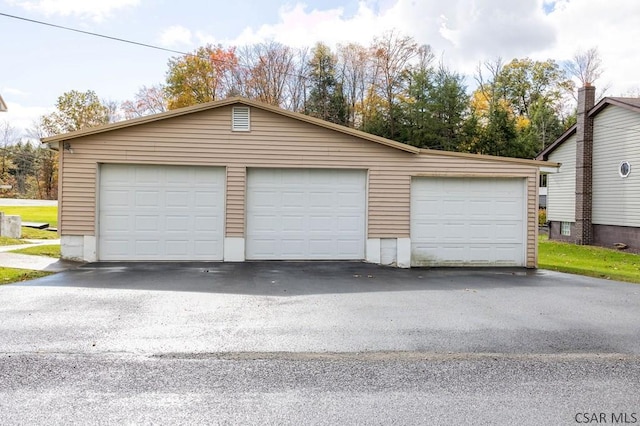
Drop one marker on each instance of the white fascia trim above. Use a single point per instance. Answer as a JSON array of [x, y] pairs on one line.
[[549, 170]]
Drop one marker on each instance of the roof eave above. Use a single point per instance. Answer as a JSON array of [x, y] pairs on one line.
[[544, 154], [484, 157]]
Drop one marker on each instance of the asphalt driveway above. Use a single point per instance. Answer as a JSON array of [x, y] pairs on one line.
[[317, 343], [317, 307]]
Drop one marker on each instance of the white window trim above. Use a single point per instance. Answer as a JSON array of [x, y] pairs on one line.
[[624, 175]]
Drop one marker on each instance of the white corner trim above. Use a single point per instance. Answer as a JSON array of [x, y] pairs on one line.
[[234, 249], [89, 248], [372, 254], [404, 253], [72, 247]]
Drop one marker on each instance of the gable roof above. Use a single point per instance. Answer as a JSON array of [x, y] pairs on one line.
[[632, 104], [57, 139], [3, 106], [226, 102]]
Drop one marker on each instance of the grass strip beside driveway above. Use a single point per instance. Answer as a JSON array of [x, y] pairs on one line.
[[6, 241], [591, 261], [50, 250], [12, 275]]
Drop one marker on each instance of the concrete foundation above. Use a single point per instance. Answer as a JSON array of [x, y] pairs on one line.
[[10, 226]]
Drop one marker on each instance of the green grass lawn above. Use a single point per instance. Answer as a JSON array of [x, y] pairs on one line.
[[38, 234], [11, 275], [52, 250], [591, 261], [46, 214], [6, 241]]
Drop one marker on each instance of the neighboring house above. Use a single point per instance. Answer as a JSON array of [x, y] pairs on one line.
[[238, 180], [3, 106], [594, 197], [542, 191]]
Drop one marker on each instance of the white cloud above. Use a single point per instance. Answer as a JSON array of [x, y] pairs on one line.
[[472, 31], [21, 117], [613, 29], [12, 91], [175, 35], [93, 9]]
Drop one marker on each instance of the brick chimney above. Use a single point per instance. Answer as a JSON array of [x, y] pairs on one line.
[[584, 156]]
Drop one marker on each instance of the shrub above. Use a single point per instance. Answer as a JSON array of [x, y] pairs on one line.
[[542, 217]]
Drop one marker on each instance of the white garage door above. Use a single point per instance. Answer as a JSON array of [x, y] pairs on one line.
[[467, 222], [305, 214], [161, 212]]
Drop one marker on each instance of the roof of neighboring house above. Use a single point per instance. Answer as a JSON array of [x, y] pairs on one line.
[[3, 106], [297, 116], [632, 104]]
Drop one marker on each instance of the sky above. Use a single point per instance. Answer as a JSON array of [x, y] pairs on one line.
[[39, 63]]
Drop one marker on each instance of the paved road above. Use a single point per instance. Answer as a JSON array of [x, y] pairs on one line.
[[321, 343]]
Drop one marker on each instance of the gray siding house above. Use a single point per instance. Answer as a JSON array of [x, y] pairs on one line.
[[594, 197]]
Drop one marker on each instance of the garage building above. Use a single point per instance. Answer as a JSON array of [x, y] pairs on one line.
[[237, 180]]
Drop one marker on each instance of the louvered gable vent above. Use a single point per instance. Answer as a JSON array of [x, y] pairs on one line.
[[241, 119]]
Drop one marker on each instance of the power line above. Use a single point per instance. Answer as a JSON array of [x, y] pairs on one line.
[[122, 40], [136, 43]]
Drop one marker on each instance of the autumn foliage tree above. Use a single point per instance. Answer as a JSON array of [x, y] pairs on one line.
[[202, 76], [389, 87]]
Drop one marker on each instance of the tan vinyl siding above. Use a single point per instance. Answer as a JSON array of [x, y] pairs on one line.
[[561, 186], [236, 184], [205, 138], [616, 138]]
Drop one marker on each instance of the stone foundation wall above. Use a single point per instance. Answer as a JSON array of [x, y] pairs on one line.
[[607, 235]]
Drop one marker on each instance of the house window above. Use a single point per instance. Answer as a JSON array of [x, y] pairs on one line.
[[624, 169], [240, 121], [543, 181], [565, 228]]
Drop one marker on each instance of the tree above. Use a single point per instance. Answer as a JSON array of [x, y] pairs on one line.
[[326, 99], [45, 164], [524, 82], [266, 72], [146, 101], [392, 55], [75, 110], [203, 76], [525, 95], [586, 66], [354, 66]]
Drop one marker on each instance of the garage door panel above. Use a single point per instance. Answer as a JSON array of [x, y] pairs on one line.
[[147, 247], [177, 247], [175, 198], [146, 223], [305, 214], [467, 221], [160, 212], [147, 199], [116, 198], [147, 176]]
